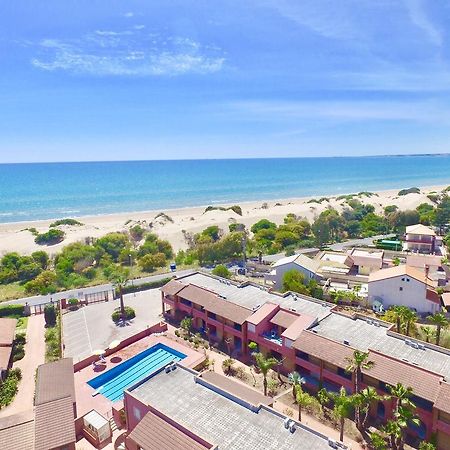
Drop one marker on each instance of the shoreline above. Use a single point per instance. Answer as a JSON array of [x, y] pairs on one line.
[[192, 219]]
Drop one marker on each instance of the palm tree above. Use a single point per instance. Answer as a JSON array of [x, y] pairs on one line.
[[343, 405], [402, 395], [397, 313], [303, 400], [410, 318], [440, 321], [119, 279], [394, 433], [429, 333], [403, 417], [296, 380], [265, 364], [364, 399], [356, 364]]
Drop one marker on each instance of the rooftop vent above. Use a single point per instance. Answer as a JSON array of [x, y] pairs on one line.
[[377, 324], [404, 359], [369, 321], [407, 342], [332, 443], [421, 346], [414, 345], [292, 427], [286, 422], [346, 342]]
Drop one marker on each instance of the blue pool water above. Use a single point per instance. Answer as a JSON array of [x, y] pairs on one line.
[[112, 383]]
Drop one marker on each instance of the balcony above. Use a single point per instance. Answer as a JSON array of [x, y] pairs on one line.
[[232, 330], [169, 301], [273, 337]]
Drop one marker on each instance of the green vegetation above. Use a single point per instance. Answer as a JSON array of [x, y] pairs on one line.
[[9, 387], [50, 315], [19, 347], [235, 208], [294, 281], [413, 190], [71, 222], [14, 311], [221, 271], [144, 286], [128, 314], [53, 341], [51, 237]]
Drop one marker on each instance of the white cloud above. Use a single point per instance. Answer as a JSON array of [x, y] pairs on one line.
[[129, 15], [127, 53], [420, 18]]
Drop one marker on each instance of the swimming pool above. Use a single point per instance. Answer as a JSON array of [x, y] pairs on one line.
[[112, 383]]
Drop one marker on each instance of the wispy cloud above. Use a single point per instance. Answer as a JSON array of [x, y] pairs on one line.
[[130, 52], [420, 18], [129, 15]]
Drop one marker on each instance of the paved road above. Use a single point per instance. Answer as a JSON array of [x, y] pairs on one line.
[[277, 256], [358, 242], [39, 299]]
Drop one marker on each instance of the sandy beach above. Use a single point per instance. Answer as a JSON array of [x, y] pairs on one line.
[[178, 222]]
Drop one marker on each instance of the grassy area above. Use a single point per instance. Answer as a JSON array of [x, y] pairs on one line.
[[53, 342], [22, 323], [9, 388], [11, 291]]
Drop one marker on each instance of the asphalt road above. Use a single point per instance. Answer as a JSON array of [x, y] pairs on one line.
[[76, 293]]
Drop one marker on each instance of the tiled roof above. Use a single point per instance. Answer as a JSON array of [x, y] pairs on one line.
[[55, 380], [260, 314], [284, 319], [54, 424], [7, 331], [312, 265], [172, 287], [215, 304], [17, 431], [239, 390], [154, 433], [442, 401], [301, 323], [399, 271], [425, 384], [323, 348], [5, 356], [446, 298], [420, 229]]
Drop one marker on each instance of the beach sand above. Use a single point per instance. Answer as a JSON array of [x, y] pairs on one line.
[[15, 237]]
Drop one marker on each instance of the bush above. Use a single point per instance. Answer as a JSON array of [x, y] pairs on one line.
[[18, 352], [129, 314], [20, 339], [129, 288], [51, 237], [12, 310], [50, 315], [53, 343], [44, 283], [9, 387], [57, 223], [221, 271], [413, 190], [149, 263]]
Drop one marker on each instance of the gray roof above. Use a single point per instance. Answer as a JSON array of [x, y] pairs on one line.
[[363, 335], [219, 420], [252, 296]]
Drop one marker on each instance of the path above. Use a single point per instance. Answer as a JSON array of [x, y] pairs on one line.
[[34, 356]]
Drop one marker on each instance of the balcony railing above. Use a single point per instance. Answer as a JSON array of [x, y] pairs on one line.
[[273, 337]]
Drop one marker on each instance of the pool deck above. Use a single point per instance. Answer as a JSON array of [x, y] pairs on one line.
[[86, 402]]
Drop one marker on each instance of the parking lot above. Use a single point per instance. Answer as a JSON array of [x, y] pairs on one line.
[[91, 328]]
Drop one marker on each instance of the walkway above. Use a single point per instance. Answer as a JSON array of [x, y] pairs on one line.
[[34, 356]]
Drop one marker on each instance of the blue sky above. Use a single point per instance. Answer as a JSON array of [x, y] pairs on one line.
[[139, 79]]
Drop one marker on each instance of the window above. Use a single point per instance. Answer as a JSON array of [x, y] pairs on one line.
[[302, 355], [343, 373], [407, 280], [237, 327], [400, 288], [186, 302], [212, 315], [403, 279]]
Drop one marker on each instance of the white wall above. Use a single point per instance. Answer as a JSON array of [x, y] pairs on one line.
[[277, 279], [412, 295]]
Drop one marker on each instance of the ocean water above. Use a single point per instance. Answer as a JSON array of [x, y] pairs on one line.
[[53, 190]]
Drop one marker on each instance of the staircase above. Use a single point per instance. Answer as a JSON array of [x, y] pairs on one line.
[[113, 424]]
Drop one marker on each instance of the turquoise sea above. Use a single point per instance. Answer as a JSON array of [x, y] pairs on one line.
[[51, 190]]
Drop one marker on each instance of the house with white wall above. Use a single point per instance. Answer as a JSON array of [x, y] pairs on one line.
[[420, 238], [404, 286], [366, 262]]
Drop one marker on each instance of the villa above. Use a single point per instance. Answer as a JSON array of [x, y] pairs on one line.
[[420, 238], [315, 340]]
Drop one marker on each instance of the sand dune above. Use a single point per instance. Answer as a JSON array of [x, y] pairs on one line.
[[15, 237]]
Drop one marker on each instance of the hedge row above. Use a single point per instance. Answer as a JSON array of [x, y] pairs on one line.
[[129, 288], [11, 310]]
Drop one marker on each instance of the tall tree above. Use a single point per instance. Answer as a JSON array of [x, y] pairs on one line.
[[343, 405], [119, 279], [402, 394], [297, 381], [364, 400], [265, 364], [410, 318], [303, 401], [440, 321]]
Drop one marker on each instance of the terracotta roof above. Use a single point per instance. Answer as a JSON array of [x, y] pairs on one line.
[[446, 298], [17, 431], [54, 424], [442, 401], [301, 323], [215, 304], [172, 287], [398, 271], [260, 314], [7, 331], [154, 433], [239, 390], [425, 384], [284, 318], [55, 380], [420, 229], [5, 356], [433, 296], [323, 348]]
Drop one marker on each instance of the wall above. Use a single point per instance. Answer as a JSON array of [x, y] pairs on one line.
[[281, 270]]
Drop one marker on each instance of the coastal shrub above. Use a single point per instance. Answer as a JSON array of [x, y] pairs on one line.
[[221, 271], [390, 209], [50, 315], [112, 244], [15, 267], [413, 190], [433, 197], [235, 208], [236, 227], [44, 283], [40, 257], [15, 311], [137, 233], [18, 352], [129, 314], [59, 222], [164, 216], [9, 387], [73, 304], [153, 245], [149, 263], [263, 224], [51, 237]]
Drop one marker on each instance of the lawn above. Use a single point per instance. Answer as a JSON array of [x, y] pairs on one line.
[[11, 291]]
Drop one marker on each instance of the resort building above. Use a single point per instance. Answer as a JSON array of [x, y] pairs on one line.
[[365, 262], [420, 238], [405, 286], [7, 335], [309, 336], [179, 408]]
